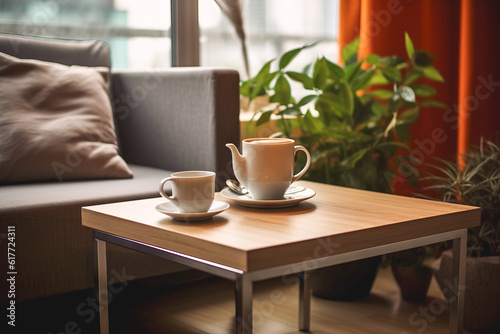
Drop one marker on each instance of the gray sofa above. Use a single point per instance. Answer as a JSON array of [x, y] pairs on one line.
[[182, 124]]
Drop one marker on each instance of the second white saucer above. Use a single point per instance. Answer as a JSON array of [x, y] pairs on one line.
[[290, 199]]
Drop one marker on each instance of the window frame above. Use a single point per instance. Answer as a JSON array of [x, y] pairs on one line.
[[185, 33]]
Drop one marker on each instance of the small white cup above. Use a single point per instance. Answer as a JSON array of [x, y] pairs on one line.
[[192, 191]]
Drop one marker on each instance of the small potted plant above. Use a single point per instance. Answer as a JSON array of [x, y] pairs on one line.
[[354, 120], [411, 272], [477, 183]]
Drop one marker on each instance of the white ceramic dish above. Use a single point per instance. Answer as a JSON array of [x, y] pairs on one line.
[[171, 210], [290, 199]]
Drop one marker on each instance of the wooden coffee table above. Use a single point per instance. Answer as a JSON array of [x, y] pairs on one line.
[[250, 244]]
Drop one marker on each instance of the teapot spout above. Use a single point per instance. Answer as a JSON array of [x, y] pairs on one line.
[[239, 164]]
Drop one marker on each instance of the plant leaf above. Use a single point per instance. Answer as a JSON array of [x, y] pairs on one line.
[[393, 61], [365, 99], [282, 91], [422, 58], [249, 126], [331, 103], [433, 74], [392, 74], [377, 109], [303, 78], [423, 90], [394, 103], [351, 160], [261, 81], [346, 98], [349, 54], [362, 81], [352, 71], [319, 73], [338, 133], [288, 56], [265, 69], [310, 122], [336, 71], [264, 117], [325, 108], [409, 116], [406, 93], [433, 103], [306, 99], [254, 87], [403, 132], [394, 144], [378, 78], [382, 93], [372, 59], [291, 111], [409, 46], [412, 76], [262, 85], [245, 87], [312, 125]]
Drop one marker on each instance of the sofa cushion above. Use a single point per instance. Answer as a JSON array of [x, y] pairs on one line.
[[62, 51], [22, 198], [56, 123]]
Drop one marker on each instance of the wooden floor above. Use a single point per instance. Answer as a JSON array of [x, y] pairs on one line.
[[207, 306]]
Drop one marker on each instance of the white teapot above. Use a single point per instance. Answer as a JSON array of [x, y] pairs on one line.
[[266, 166]]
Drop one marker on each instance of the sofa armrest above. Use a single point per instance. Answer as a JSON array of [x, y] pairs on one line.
[[178, 118]]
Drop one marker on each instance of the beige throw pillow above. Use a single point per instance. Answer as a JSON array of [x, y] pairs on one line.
[[56, 123]]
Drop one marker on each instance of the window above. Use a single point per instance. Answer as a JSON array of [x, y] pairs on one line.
[[138, 32], [272, 27]]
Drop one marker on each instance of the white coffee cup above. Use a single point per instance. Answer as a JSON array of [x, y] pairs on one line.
[[192, 191], [266, 166]]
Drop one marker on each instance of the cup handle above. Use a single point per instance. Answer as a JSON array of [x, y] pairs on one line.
[[308, 162], [162, 192]]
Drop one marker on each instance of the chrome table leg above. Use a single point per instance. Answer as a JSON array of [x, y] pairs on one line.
[[304, 301], [458, 283], [243, 294]]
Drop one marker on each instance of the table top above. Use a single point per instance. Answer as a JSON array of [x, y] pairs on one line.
[[336, 219]]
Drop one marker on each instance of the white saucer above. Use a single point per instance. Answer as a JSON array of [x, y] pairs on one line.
[[171, 210], [290, 199]]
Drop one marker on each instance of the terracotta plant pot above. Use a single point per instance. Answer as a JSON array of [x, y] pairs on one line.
[[413, 281], [482, 291], [346, 281]]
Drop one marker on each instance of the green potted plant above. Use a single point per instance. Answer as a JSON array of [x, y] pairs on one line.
[[477, 183], [354, 119]]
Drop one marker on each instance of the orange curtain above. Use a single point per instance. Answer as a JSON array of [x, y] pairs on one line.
[[464, 36]]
